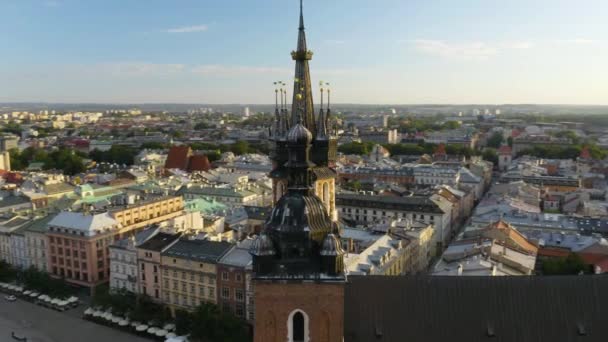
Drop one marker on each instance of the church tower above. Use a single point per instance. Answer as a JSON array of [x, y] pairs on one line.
[[324, 141], [298, 261]]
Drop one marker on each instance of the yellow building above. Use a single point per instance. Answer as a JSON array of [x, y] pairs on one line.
[[189, 269], [143, 214]]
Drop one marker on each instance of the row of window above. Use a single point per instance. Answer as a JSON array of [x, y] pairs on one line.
[[76, 275], [203, 291], [122, 257], [66, 242], [209, 278], [374, 212], [182, 300], [68, 252], [238, 277], [239, 294], [123, 270]]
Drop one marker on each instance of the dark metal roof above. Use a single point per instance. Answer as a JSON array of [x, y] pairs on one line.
[[405, 203], [198, 250], [323, 173], [522, 309], [257, 213], [158, 242], [296, 212]]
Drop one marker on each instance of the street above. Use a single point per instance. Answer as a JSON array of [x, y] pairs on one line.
[[40, 324]]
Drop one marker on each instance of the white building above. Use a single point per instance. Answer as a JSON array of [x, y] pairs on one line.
[[123, 261], [368, 210], [429, 174]]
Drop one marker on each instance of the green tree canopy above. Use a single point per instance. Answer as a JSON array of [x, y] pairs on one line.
[[495, 140]]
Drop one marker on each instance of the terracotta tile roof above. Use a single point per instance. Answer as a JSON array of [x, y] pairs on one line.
[[585, 153], [511, 235], [199, 163], [178, 157], [505, 149]]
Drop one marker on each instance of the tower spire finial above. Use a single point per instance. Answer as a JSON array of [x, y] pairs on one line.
[[301, 16]]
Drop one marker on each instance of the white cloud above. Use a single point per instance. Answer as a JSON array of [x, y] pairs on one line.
[[334, 42], [577, 41], [237, 70], [466, 50], [188, 29], [134, 69]]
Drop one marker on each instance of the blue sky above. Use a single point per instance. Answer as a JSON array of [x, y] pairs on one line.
[[371, 51]]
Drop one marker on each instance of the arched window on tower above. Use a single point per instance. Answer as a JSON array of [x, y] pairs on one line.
[[298, 327]]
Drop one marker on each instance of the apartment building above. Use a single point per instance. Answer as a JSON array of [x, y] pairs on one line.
[[79, 241], [189, 269], [149, 261], [234, 281], [123, 261]]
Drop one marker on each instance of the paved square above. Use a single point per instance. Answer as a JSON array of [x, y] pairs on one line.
[[40, 324]]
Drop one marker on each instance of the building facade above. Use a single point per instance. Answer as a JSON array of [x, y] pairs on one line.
[[79, 241], [149, 264], [234, 281], [189, 273]]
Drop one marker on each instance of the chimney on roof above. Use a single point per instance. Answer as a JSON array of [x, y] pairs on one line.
[[460, 269]]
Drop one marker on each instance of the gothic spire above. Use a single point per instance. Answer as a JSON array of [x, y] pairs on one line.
[[321, 124], [302, 80], [277, 115]]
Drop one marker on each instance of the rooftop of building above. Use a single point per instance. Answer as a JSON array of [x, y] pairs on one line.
[[475, 309], [422, 203], [214, 191], [374, 257], [84, 222], [159, 242], [198, 250], [239, 256], [140, 238]]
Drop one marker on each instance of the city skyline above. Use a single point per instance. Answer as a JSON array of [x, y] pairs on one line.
[[393, 52]]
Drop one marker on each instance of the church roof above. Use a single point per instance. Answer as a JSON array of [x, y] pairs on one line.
[[296, 211], [435, 308]]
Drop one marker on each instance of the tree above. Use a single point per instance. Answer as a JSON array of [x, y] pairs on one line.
[[7, 272], [572, 264], [12, 127], [65, 159], [356, 148], [118, 154], [490, 155], [240, 147], [15, 156], [153, 145], [202, 125], [209, 324], [510, 141], [183, 322], [39, 281], [495, 140]]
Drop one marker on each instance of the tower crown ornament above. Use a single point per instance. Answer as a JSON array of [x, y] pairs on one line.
[[302, 55]]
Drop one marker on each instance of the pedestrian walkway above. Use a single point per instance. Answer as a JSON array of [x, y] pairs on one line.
[[40, 324]]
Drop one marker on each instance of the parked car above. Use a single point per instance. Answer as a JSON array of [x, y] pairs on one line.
[[10, 298]]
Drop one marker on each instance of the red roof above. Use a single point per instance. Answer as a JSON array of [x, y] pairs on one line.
[[440, 151], [505, 149], [14, 177], [199, 163], [585, 153], [515, 133], [178, 157], [555, 252]]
